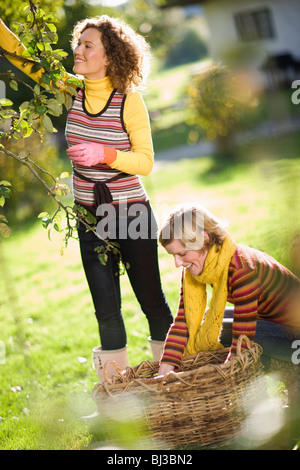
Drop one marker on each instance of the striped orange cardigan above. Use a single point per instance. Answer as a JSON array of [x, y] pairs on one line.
[[259, 288]]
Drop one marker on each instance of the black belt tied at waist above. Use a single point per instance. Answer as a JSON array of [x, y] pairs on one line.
[[102, 193]]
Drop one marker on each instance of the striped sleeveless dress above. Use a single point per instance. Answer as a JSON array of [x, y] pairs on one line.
[[106, 127]]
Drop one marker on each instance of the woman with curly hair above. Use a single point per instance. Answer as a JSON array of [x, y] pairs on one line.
[[110, 144]]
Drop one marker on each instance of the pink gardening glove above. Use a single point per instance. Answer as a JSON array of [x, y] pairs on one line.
[[86, 154]]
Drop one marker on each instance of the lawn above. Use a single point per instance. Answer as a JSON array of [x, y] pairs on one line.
[[165, 100], [47, 323]]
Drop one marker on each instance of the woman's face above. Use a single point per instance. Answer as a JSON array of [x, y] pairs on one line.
[[90, 59], [193, 260]]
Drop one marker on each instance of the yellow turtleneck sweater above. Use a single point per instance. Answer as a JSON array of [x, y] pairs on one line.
[[140, 159]]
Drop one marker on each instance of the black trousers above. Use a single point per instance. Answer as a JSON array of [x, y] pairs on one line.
[[143, 272]]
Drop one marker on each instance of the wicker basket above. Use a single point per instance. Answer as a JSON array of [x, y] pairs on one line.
[[203, 403]]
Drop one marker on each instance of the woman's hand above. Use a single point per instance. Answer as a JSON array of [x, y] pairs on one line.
[[86, 154], [229, 356], [164, 369]]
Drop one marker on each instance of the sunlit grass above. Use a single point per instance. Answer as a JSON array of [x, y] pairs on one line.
[[46, 315], [47, 324], [166, 87]]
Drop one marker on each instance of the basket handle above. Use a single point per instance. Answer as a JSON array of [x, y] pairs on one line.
[[108, 378], [241, 339]]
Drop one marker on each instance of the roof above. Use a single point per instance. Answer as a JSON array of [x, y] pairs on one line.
[[178, 3]]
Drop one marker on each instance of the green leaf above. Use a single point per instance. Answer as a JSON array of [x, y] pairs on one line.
[[41, 109], [2, 201], [90, 218], [37, 89], [5, 192], [5, 102], [122, 269], [79, 209], [47, 123], [60, 97], [5, 230], [46, 81], [3, 218], [47, 38], [14, 85], [69, 101], [46, 221], [43, 214], [61, 189], [54, 108], [75, 81], [72, 90], [103, 258], [24, 106], [44, 63], [51, 27], [35, 68], [49, 232], [116, 244], [26, 53], [59, 54], [5, 183]]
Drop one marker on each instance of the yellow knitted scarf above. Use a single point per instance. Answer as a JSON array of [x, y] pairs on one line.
[[204, 334]]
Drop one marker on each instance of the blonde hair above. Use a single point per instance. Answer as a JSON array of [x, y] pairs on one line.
[[188, 223], [128, 52]]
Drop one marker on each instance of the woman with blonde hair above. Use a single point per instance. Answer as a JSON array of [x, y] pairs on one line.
[[110, 146], [264, 294]]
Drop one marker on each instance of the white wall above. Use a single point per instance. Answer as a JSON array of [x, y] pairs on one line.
[[287, 24], [224, 37]]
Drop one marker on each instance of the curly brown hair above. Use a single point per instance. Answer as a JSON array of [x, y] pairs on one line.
[[128, 52]]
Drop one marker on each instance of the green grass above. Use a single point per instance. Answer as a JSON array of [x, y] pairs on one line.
[[165, 101], [47, 324], [166, 87], [46, 316]]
